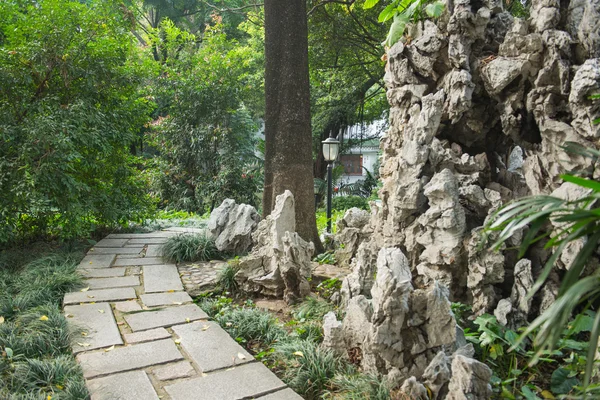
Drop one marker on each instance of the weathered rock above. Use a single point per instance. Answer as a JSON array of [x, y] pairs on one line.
[[232, 225], [332, 333], [280, 262], [470, 380], [350, 234]]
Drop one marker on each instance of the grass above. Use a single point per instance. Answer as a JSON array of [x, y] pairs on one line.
[[190, 247], [35, 353], [293, 350], [226, 279]]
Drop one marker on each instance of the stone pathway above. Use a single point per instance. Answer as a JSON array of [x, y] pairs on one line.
[[140, 337]]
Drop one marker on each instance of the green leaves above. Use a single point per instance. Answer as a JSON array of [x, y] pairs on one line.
[[370, 4], [562, 381], [396, 30], [387, 13], [435, 10]]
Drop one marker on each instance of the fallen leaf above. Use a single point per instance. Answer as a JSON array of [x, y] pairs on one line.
[[299, 353], [69, 315], [171, 291], [121, 323], [109, 349], [241, 356], [92, 302], [43, 318], [228, 324], [547, 395], [177, 341], [101, 311], [60, 387], [1, 320], [84, 333], [205, 327], [49, 397], [188, 320], [90, 262], [178, 303], [85, 289], [83, 344], [90, 297]]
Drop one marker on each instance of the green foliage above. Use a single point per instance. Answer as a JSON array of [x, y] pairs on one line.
[[519, 8], [247, 325], [35, 352], [343, 203], [69, 109], [578, 219], [313, 308], [322, 220], [226, 280], [363, 188], [325, 258], [403, 12], [358, 387], [190, 247], [328, 287]]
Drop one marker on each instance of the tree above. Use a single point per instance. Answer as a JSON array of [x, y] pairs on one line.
[[288, 150]]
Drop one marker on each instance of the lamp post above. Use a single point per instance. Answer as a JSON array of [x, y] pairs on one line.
[[330, 152]]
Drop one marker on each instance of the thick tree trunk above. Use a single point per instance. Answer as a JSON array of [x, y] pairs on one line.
[[288, 147]]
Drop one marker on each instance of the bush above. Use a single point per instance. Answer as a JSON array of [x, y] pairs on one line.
[[190, 247], [343, 203]]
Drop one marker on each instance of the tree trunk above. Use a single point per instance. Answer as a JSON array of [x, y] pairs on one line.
[[288, 140]]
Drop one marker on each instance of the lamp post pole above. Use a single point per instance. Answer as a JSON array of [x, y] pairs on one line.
[[331, 148], [329, 194]]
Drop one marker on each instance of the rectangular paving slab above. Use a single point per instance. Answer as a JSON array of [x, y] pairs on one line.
[[105, 283], [123, 262], [165, 299], [111, 243], [97, 323], [133, 385], [115, 250], [154, 250], [210, 347], [147, 336], [166, 317], [157, 234], [182, 369], [97, 261], [127, 358], [102, 272], [149, 240], [285, 394], [161, 278], [100, 295], [246, 381]]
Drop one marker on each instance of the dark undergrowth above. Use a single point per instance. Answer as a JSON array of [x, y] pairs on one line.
[[292, 350], [35, 354]]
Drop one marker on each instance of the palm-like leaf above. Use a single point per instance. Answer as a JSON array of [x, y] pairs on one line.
[[575, 219]]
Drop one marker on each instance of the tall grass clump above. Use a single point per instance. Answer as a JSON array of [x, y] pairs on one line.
[[35, 338], [190, 247], [252, 325]]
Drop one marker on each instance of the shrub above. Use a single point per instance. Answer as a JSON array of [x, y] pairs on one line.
[[226, 279], [190, 247], [252, 325], [343, 203]]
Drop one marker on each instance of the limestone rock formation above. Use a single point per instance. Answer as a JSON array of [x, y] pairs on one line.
[[232, 225], [280, 262], [350, 234], [481, 105]]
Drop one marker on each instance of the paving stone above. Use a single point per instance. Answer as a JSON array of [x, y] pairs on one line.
[[99, 324], [105, 283], [100, 295], [127, 306], [123, 262], [165, 317], [102, 272], [241, 382], [157, 234], [147, 336], [210, 346], [97, 261], [165, 299], [149, 240], [122, 256], [128, 358], [161, 278], [285, 394], [111, 243], [182, 369], [115, 250], [154, 250], [133, 385]]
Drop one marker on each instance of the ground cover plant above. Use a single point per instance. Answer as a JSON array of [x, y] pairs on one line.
[[35, 340], [190, 247], [292, 349]]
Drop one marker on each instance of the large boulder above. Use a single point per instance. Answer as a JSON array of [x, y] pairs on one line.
[[232, 225]]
